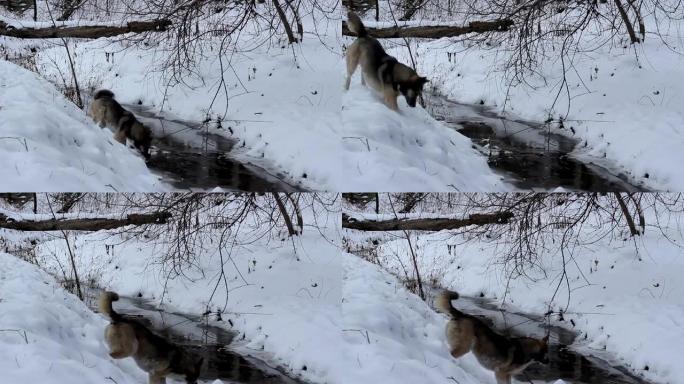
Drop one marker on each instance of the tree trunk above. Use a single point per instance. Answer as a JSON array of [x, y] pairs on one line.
[[434, 31], [88, 32], [89, 224], [628, 24], [627, 215], [286, 24], [283, 212], [298, 212], [436, 224]]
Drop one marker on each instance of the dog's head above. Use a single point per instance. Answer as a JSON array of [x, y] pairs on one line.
[[193, 372], [412, 88]]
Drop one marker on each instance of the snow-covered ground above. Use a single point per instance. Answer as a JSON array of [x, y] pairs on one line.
[[48, 144], [622, 102], [625, 295], [407, 151]]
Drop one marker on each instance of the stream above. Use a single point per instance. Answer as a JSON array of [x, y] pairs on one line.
[[221, 360], [567, 361], [525, 153], [188, 157]]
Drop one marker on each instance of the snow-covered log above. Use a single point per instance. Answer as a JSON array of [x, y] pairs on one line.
[[83, 224], [86, 31], [435, 31], [428, 224]]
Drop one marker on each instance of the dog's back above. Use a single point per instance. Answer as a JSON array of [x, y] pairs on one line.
[[105, 110]]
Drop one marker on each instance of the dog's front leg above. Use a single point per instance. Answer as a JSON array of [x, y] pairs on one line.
[[120, 136], [347, 83], [391, 99]]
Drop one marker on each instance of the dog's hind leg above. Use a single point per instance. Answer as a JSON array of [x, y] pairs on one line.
[[353, 56]]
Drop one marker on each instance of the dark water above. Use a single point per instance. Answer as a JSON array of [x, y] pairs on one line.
[[195, 335], [188, 157], [528, 155], [565, 362]]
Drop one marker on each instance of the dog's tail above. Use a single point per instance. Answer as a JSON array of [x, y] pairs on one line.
[[106, 305], [103, 93], [443, 303], [356, 25]]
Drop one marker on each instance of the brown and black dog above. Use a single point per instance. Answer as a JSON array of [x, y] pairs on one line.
[[506, 356], [106, 111], [380, 70], [153, 354]]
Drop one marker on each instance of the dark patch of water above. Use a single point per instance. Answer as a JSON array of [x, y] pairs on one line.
[[188, 157], [529, 156]]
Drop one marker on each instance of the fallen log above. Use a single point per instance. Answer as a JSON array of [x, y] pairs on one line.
[[85, 31], [430, 224], [84, 224], [434, 31]]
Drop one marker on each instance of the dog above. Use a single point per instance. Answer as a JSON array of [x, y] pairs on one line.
[[503, 355], [383, 72], [106, 111], [153, 354]]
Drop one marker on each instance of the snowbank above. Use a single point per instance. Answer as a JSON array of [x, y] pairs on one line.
[[406, 151], [49, 336], [48, 144], [396, 337]]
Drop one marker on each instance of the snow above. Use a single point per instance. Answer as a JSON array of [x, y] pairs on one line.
[[48, 144], [407, 151], [629, 306], [49, 336]]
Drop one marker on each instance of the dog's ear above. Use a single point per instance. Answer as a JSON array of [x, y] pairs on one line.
[[423, 80], [545, 340]]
